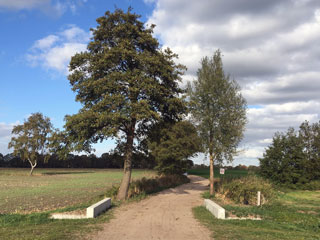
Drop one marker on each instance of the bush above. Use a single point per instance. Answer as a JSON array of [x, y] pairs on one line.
[[244, 190], [153, 185]]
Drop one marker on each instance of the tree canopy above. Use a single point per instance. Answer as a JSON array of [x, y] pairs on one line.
[[293, 158], [218, 110], [30, 140], [125, 84], [172, 144]]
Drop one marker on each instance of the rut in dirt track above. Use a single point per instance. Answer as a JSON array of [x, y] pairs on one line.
[[167, 215]]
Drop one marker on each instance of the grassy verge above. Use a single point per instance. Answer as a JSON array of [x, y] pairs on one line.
[[291, 215], [40, 226]]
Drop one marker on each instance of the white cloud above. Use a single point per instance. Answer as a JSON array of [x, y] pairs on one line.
[[55, 51], [5, 136], [46, 42], [270, 47]]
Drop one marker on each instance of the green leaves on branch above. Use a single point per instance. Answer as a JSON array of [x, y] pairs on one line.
[[123, 78]]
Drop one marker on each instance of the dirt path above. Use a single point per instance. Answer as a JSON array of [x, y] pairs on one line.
[[167, 215]]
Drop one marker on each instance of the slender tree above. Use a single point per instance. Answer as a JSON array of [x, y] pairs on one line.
[[30, 140], [125, 83], [218, 110]]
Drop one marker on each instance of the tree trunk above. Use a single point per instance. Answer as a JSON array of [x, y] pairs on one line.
[[211, 175], [124, 187], [32, 167]]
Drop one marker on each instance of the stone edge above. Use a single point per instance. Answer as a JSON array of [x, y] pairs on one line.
[[217, 211]]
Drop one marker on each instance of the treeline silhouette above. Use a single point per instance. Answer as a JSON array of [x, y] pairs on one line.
[[107, 160]]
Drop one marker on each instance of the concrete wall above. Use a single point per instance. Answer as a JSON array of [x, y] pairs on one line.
[[95, 209], [215, 209]]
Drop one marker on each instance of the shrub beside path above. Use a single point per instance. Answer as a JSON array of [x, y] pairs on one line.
[[167, 215]]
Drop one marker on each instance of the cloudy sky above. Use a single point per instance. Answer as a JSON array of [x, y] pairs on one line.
[[270, 47]]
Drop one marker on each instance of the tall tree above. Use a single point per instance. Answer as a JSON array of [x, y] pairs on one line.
[[31, 139], [218, 110], [125, 83]]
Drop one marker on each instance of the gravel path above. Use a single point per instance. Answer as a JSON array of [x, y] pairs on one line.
[[167, 215]]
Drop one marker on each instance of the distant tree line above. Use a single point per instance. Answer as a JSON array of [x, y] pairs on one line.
[[106, 160]]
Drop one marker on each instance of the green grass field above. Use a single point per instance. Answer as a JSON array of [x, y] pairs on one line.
[[292, 215], [51, 190]]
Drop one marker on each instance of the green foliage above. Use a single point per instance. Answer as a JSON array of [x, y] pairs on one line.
[[153, 185], [171, 144], [124, 81], [293, 158], [218, 109], [30, 140], [244, 190]]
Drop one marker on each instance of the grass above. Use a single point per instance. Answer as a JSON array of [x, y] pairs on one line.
[[53, 190], [39, 226], [50, 189], [204, 172], [292, 215]]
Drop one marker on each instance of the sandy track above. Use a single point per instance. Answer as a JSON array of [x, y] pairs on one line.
[[167, 215]]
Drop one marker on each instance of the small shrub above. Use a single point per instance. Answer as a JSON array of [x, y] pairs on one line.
[[244, 190]]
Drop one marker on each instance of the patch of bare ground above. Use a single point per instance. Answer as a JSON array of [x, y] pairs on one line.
[[166, 215]]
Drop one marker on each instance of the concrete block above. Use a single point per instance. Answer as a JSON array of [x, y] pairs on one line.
[[95, 209], [215, 209]]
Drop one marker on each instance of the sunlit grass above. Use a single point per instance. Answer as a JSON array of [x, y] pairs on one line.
[[55, 188]]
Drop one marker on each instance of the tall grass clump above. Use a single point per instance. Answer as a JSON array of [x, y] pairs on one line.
[[244, 190]]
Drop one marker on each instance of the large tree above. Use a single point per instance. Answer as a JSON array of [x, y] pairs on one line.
[[125, 83], [218, 110], [30, 140]]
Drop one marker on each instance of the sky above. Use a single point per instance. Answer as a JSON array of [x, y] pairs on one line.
[[270, 47]]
